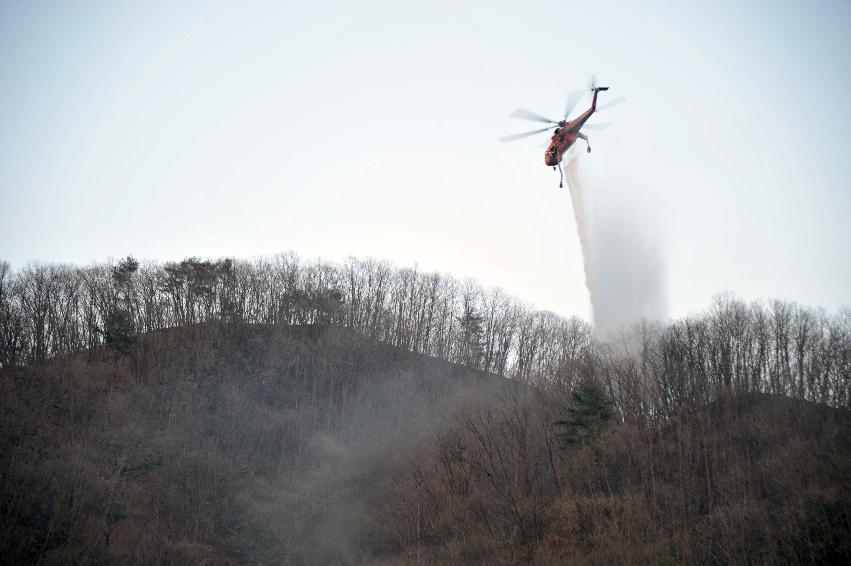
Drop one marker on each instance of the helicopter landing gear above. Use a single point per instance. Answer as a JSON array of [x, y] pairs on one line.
[[585, 139]]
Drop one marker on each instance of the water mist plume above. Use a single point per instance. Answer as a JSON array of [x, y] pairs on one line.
[[580, 214], [624, 271]]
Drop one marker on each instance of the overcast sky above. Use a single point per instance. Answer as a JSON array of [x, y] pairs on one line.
[[175, 129]]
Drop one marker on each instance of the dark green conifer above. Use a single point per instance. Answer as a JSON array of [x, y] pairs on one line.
[[589, 413]]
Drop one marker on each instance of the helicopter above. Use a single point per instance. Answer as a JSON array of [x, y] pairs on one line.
[[566, 132]]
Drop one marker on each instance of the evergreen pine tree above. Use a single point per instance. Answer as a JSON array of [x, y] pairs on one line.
[[589, 413]]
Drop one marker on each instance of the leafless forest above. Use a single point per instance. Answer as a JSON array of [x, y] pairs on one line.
[[289, 411], [54, 310]]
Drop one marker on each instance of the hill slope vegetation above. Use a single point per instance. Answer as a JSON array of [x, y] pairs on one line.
[[313, 444]]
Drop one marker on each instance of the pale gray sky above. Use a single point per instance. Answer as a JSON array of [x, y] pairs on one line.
[[170, 129]]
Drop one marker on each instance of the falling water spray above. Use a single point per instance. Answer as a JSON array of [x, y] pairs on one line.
[[621, 249], [580, 214]]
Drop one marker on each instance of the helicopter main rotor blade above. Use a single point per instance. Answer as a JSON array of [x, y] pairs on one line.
[[524, 114], [521, 135], [610, 103], [573, 99], [598, 127]]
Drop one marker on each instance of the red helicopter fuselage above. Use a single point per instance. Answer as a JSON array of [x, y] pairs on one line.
[[567, 133]]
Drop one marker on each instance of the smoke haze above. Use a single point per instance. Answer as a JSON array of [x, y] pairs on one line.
[[620, 242]]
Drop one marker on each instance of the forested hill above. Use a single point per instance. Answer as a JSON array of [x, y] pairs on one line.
[[281, 411], [233, 443], [217, 443]]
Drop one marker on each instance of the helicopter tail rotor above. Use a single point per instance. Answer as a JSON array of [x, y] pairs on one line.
[[594, 86]]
